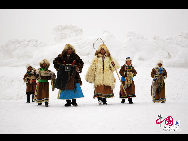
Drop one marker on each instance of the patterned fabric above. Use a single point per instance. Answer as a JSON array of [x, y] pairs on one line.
[[42, 93]]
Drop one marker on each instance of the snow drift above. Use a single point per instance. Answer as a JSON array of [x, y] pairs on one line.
[[144, 51]]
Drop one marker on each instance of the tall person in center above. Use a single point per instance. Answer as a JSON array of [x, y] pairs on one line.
[[101, 74], [69, 65]]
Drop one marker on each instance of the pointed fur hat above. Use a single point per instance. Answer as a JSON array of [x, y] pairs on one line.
[[99, 50]]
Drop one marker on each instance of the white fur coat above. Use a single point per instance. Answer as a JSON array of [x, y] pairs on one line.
[[96, 75]]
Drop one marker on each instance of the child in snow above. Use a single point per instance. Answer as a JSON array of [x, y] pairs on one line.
[[68, 65], [30, 79], [158, 85], [101, 74], [127, 72], [43, 75]]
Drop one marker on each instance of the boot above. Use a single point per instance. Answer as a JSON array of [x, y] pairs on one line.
[[32, 97], [162, 100], [100, 100], [28, 98], [68, 103], [123, 101], [39, 103], [104, 101], [130, 100], [74, 102], [46, 104]]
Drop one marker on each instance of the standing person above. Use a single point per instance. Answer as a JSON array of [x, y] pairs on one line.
[[158, 74], [68, 65], [127, 72], [101, 74], [43, 75], [30, 79]]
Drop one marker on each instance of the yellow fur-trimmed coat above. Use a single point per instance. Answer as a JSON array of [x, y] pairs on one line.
[[101, 71]]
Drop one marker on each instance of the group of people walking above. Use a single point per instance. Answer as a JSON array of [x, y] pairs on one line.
[[101, 73]]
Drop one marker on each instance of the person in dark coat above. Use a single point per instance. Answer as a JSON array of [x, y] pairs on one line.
[[30, 80], [68, 65]]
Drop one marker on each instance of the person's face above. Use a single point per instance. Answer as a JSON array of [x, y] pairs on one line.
[[44, 65], [29, 68], [159, 64], [103, 51], [128, 63], [69, 51]]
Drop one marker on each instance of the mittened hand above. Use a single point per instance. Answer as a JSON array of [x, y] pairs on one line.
[[74, 62], [77, 69]]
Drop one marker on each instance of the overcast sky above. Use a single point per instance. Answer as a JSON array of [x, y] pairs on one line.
[[39, 23]]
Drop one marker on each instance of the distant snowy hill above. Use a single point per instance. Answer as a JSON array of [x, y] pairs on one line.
[[144, 51]]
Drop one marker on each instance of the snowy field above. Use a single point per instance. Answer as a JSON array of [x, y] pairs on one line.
[[89, 117]]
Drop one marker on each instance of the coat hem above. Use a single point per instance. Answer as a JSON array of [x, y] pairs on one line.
[[159, 100], [128, 96], [103, 95]]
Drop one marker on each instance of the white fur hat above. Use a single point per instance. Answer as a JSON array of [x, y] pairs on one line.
[[159, 62], [104, 47], [128, 59]]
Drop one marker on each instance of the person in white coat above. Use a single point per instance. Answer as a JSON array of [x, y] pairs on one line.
[[101, 74]]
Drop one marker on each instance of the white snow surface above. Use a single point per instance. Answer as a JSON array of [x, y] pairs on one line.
[[17, 116]]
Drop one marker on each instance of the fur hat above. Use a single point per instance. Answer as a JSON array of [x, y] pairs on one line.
[[102, 46], [67, 46], [128, 59], [46, 62], [159, 62]]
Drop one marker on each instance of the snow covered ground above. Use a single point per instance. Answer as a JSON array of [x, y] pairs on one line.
[[16, 116]]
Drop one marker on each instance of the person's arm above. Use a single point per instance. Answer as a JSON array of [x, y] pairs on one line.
[[56, 62], [134, 71], [122, 71], [79, 64], [165, 74], [153, 73]]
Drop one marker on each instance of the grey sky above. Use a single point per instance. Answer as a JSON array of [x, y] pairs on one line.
[[39, 23]]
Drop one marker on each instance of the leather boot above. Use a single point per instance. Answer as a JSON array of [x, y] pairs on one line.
[[74, 102], [32, 97], [104, 101], [46, 104], [28, 98], [130, 100], [68, 103], [123, 101], [100, 100]]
